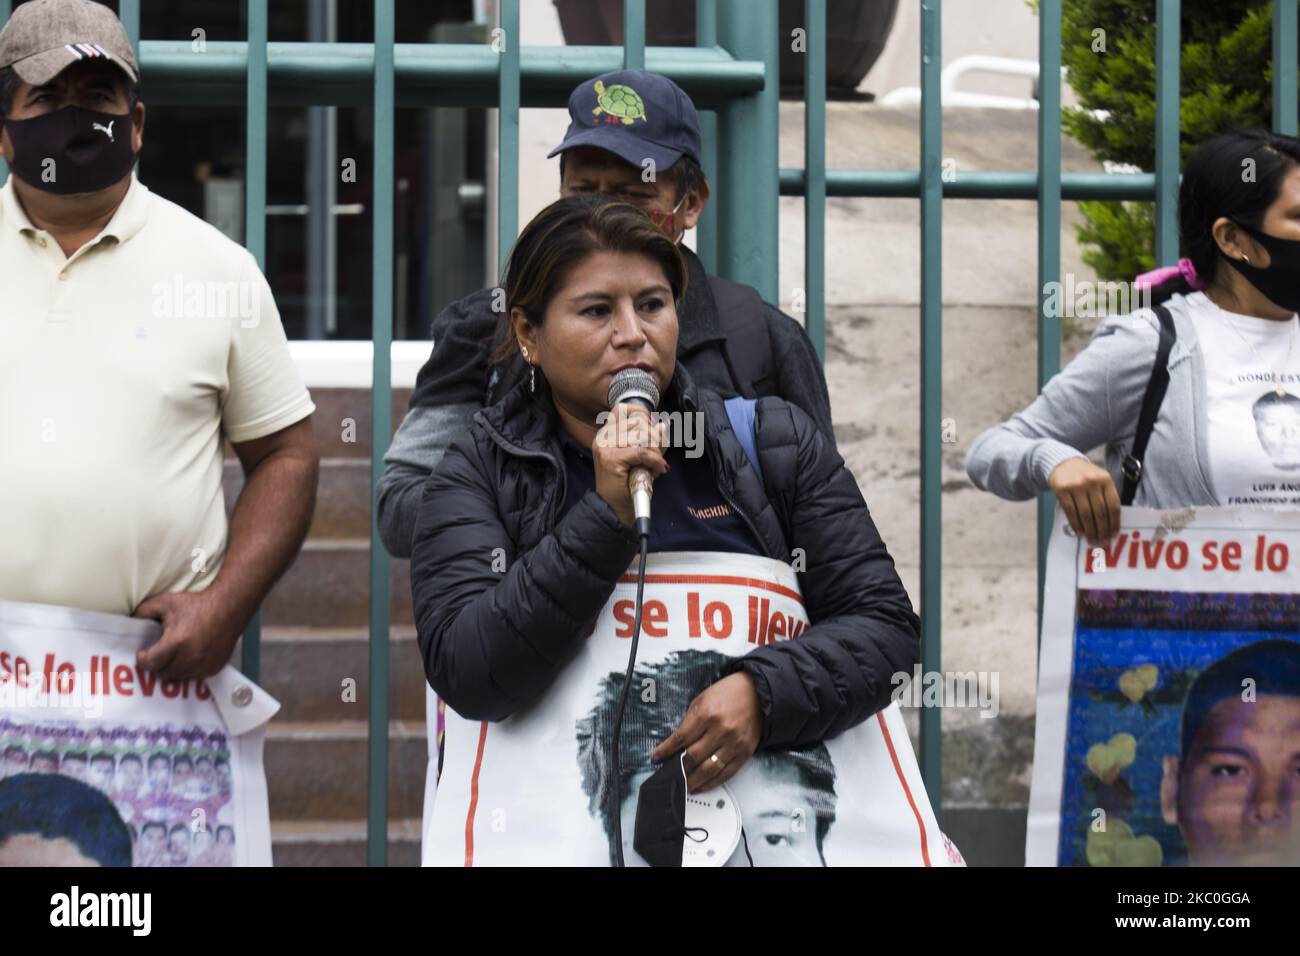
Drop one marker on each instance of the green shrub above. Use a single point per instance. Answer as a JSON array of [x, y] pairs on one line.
[[1227, 75]]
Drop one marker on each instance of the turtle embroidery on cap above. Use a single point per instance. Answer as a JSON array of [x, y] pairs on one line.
[[619, 103]]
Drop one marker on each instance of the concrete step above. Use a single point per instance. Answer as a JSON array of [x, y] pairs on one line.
[[341, 425], [315, 636], [342, 496], [304, 669], [340, 842], [316, 770], [341, 422], [328, 585]]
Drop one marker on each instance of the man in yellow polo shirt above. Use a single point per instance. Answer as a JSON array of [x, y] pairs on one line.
[[134, 337]]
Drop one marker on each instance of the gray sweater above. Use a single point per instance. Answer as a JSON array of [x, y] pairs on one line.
[[1095, 401]]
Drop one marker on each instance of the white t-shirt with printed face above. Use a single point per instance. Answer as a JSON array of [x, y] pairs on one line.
[[1253, 432], [122, 368]]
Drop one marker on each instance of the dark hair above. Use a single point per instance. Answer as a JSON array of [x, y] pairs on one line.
[[9, 81], [152, 824], [126, 757], [154, 758], [686, 174], [1274, 666], [1213, 186], [8, 89], [677, 680], [563, 235], [54, 807]]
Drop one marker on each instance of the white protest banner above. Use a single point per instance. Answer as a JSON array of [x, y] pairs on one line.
[[101, 762], [532, 789], [1168, 725]]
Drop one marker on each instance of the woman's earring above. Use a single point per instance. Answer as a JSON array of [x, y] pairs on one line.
[[532, 371], [1245, 258]]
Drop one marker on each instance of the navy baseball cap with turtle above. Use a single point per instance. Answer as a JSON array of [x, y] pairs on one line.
[[634, 115]]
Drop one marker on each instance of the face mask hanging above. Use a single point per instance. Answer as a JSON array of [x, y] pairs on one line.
[[674, 828]]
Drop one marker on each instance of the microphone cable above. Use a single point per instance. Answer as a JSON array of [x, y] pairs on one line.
[[616, 786], [638, 386]]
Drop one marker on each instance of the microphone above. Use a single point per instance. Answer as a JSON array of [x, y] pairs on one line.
[[637, 387]]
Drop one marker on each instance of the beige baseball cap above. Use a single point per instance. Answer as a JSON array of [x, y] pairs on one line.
[[45, 37]]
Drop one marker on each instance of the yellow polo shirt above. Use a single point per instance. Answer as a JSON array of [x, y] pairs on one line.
[[121, 369]]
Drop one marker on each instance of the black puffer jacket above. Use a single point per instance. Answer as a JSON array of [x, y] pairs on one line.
[[493, 642]]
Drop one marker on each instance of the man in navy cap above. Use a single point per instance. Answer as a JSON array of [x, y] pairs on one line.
[[634, 136]]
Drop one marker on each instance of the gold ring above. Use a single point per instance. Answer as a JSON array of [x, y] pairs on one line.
[[721, 765]]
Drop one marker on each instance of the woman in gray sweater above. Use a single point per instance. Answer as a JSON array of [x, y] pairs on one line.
[[1228, 429]]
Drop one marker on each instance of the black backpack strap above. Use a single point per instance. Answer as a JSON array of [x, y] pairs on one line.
[[749, 344], [1131, 468]]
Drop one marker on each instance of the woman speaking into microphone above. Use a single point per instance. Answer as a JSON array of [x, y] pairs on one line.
[[524, 581]]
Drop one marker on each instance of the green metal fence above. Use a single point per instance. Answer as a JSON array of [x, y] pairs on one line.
[[732, 74]]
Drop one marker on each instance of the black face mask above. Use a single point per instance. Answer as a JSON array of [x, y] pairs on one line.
[[661, 815], [1280, 282], [72, 150]]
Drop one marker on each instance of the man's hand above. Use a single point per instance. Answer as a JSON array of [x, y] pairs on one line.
[[725, 720], [198, 635], [200, 628]]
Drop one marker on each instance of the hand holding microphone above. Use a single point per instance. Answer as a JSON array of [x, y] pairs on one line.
[[627, 450], [628, 458]]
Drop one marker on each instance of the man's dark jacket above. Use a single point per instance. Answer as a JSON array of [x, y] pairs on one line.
[[493, 642], [452, 385]]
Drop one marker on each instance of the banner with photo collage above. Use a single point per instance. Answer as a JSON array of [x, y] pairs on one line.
[[103, 763]]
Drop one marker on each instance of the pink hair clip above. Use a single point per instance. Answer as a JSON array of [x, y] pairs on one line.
[[1162, 275]]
